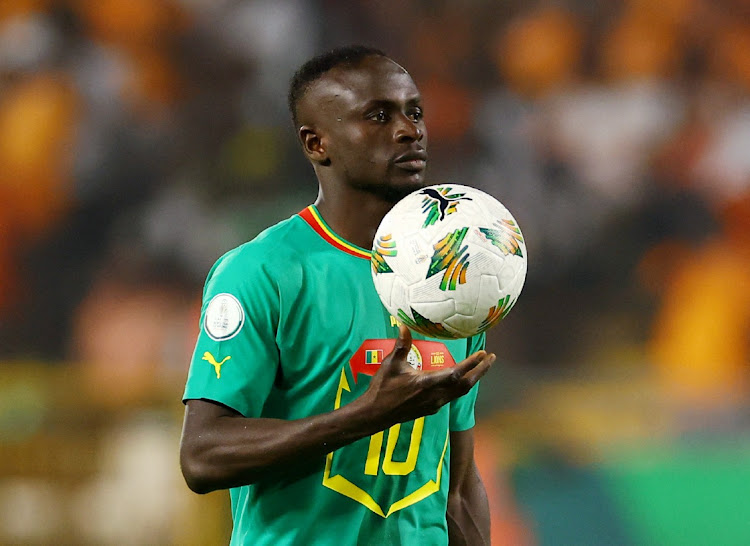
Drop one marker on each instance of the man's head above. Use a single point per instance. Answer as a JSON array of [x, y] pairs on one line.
[[358, 115], [316, 67]]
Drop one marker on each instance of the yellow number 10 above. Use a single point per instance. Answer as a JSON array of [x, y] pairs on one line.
[[391, 467]]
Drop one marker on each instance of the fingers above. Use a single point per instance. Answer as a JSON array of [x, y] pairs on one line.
[[465, 374], [403, 343], [396, 361], [471, 362], [475, 373]]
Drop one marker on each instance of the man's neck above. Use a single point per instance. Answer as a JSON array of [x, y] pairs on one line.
[[354, 217]]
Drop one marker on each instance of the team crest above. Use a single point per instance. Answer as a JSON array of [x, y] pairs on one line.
[[440, 202], [414, 358]]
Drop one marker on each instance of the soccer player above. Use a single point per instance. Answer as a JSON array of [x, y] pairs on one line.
[[329, 423]]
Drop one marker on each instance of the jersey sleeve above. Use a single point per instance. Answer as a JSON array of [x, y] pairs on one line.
[[462, 409], [236, 358]]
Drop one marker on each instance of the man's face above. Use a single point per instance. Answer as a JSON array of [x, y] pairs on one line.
[[369, 118]]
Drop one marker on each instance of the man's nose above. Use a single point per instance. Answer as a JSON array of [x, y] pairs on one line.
[[408, 130]]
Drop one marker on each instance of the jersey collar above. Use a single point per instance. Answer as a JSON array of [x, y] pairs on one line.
[[313, 217]]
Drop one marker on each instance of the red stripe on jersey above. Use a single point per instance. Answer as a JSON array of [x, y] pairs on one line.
[[312, 217]]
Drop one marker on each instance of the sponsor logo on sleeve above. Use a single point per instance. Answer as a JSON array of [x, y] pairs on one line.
[[211, 359]]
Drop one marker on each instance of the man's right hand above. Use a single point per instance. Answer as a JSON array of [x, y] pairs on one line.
[[399, 393], [221, 449]]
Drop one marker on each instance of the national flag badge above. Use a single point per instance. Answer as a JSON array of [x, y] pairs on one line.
[[373, 356], [370, 355]]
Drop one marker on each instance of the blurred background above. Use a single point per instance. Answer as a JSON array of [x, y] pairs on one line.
[[141, 139]]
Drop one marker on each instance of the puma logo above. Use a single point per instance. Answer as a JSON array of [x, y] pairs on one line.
[[208, 357], [440, 203]]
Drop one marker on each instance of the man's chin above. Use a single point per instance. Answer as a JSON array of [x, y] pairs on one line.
[[393, 192]]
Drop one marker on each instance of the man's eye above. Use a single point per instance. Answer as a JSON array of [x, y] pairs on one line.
[[380, 116], [416, 115]]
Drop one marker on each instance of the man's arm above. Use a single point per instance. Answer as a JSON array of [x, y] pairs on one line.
[[220, 448], [468, 513]]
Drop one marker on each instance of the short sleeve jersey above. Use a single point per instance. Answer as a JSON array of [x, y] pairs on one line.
[[291, 327]]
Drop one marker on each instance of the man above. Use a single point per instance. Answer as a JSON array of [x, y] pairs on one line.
[[299, 400]]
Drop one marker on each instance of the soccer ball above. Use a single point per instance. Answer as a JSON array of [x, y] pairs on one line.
[[449, 261]]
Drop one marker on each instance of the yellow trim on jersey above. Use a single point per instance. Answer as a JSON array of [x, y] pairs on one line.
[[433, 486], [343, 486], [353, 248]]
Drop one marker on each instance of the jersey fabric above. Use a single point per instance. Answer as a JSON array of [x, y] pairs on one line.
[[291, 327]]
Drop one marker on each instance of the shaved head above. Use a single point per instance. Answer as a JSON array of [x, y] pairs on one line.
[[340, 88], [316, 67]]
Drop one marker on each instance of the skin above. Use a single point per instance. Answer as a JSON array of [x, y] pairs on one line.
[[356, 123], [468, 512]]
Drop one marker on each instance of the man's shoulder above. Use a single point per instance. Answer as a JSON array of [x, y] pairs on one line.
[[284, 236], [274, 246]]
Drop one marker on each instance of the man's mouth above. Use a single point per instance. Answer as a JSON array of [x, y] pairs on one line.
[[414, 161]]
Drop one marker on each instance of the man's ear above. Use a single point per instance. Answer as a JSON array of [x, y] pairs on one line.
[[313, 145]]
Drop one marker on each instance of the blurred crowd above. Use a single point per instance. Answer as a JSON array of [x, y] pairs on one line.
[[141, 139]]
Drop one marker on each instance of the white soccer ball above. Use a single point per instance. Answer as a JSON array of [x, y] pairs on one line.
[[449, 261]]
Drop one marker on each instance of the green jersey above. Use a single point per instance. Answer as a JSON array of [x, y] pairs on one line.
[[291, 327]]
